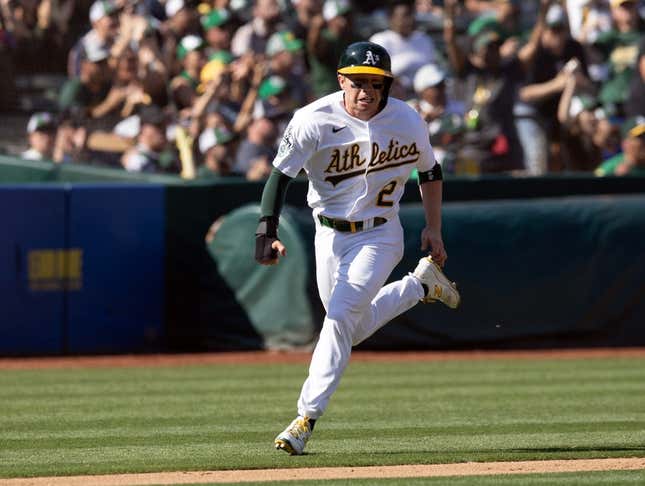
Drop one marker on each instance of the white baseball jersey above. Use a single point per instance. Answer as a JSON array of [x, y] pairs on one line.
[[357, 169]]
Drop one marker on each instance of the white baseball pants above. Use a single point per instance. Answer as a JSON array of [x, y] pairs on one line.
[[351, 269]]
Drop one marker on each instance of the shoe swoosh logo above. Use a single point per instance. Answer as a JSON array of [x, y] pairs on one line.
[[338, 129]]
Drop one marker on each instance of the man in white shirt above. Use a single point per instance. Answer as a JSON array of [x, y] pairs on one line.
[[409, 49], [254, 35]]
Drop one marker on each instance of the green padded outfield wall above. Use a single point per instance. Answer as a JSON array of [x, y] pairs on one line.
[[562, 272], [202, 312], [533, 273]]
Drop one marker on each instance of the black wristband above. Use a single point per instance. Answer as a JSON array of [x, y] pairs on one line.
[[434, 174], [268, 226]]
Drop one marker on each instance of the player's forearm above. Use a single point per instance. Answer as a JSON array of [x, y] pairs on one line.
[[267, 243], [273, 195], [431, 195]]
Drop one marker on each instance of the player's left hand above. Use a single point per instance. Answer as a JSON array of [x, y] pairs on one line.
[[431, 239]]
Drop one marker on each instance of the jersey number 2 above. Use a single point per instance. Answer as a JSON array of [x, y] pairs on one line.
[[386, 191]]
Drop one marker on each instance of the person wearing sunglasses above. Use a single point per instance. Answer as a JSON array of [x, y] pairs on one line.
[[357, 147]]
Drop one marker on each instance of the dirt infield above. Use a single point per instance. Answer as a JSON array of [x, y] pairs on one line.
[[267, 357], [435, 470], [416, 471]]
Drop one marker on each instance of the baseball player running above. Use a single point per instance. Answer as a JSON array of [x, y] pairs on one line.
[[357, 148]]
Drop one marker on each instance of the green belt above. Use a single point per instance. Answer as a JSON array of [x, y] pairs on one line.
[[348, 226]]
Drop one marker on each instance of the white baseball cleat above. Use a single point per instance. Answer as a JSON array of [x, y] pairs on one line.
[[439, 287], [294, 438]]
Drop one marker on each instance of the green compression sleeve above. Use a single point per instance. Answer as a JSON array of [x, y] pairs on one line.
[[274, 193]]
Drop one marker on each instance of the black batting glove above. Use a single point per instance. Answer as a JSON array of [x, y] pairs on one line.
[[265, 234]]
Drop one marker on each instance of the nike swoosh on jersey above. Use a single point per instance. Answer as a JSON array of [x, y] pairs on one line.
[[338, 129]]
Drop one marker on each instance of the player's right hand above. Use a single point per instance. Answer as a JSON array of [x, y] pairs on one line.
[[277, 250], [267, 244], [431, 240]]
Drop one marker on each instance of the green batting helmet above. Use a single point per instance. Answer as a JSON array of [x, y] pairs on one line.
[[365, 58]]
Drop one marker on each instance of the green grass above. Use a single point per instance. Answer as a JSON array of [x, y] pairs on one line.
[[604, 478], [95, 421]]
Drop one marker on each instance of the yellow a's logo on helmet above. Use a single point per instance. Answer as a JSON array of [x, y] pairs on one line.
[[371, 58], [365, 58]]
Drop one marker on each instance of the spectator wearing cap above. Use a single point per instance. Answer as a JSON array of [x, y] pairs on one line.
[[87, 92], [619, 47], [257, 150], [184, 86], [103, 34], [444, 115], [151, 141], [181, 21], [274, 101], [254, 35], [41, 133], [409, 48], [216, 145], [635, 104], [284, 55], [218, 27], [546, 77], [430, 86], [124, 83], [329, 35], [632, 159], [488, 84]]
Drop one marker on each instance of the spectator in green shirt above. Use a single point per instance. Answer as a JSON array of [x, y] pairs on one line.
[[632, 159], [328, 36], [184, 86], [620, 48], [90, 89]]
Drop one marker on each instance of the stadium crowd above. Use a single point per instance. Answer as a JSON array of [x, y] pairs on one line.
[[205, 89]]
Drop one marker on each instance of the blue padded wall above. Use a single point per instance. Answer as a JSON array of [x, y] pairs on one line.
[[121, 232], [32, 280]]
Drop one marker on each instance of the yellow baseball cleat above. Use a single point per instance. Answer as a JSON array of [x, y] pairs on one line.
[[294, 438], [439, 287]]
